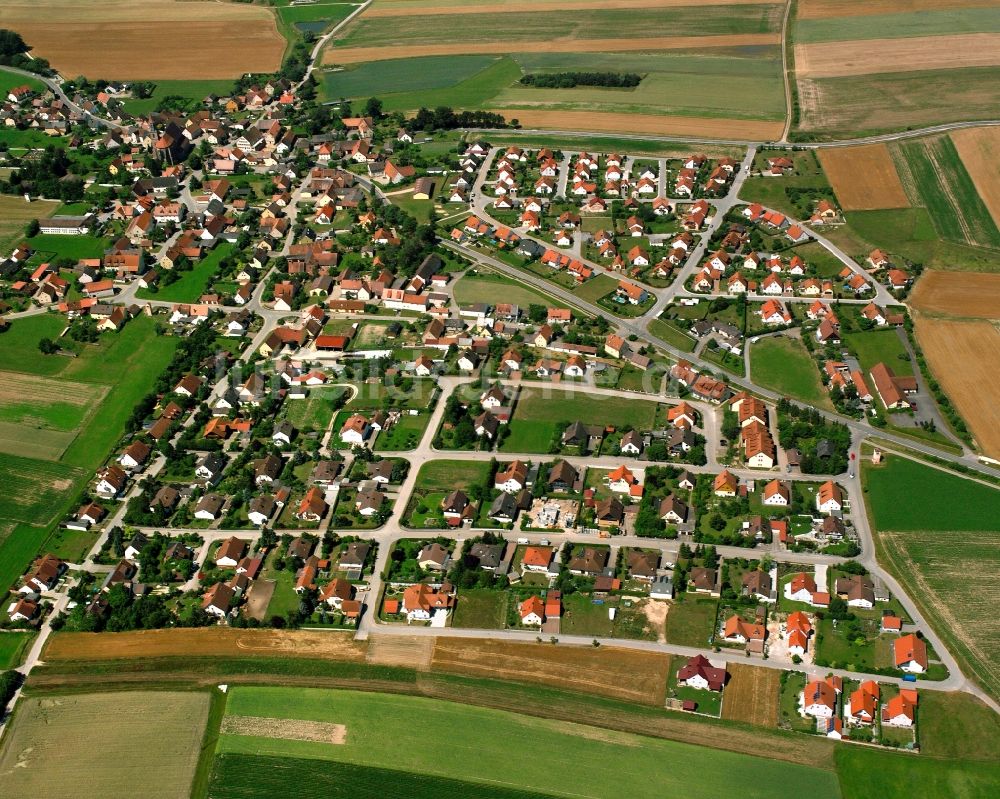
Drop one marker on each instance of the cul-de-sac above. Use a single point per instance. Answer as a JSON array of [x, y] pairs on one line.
[[574, 399]]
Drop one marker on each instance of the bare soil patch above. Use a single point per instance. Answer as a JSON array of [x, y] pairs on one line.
[[917, 53], [620, 673], [111, 38], [965, 359], [608, 122], [356, 55], [656, 614], [752, 695], [258, 597], [967, 294], [202, 642], [519, 7], [979, 149], [287, 729], [825, 9], [864, 178], [406, 651]]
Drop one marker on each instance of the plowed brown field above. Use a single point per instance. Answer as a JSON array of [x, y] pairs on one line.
[[824, 9], [979, 149], [356, 55], [965, 359], [863, 178], [201, 642], [607, 122], [620, 673], [112, 38], [967, 294], [916, 53]]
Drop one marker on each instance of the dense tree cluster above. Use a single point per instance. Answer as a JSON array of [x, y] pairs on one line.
[[822, 445], [567, 80], [49, 175], [444, 118], [14, 53]]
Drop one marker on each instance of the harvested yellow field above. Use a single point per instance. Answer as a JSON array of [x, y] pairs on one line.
[[863, 178], [608, 122], [356, 55], [826, 9], [201, 642], [112, 38], [620, 673], [410, 8], [69, 747], [965, 359], [917, 53], [979, 149], [968, 294], [752, 695]]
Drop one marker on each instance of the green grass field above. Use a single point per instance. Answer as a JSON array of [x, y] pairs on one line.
[[404, 435], [897, 26], [12, 649], [190, 89], [9, 80], [481, 609], [690, 622], [467, 737], [445, 475], [490, 288], [595, 288], [315, 411], [934, 176], [673, 335], [880, 346], [783, 364], [869, 104], [52, 245], [904, 496], [404, 75], [586, 23], [191, 285], [870, 774], [39, 492], [946, 555]]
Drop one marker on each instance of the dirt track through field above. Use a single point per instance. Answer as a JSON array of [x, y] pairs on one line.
[[421, 10], [864, 178], [965, 359], [979, 149], [607, 122], [968, 294], [917, 53], [826, 9], [356, 55]]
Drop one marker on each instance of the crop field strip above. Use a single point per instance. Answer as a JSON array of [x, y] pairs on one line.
[[969, 295], [752, 695], [823, 9], [110, 38], [964, 357], [933, 176], [979, 149], [408, 8], [475, 736], [928, 22], [65, 746], [863, 178]]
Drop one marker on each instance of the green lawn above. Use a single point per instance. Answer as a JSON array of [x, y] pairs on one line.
[[192, 284], [466, 737], [595, 288], [691, 621], [489, 288], [13, 647], [404, 435], [783, 364], [445, 475], [10, 80], [315, 411], [481, 609], [673, 335], [880, 346]]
